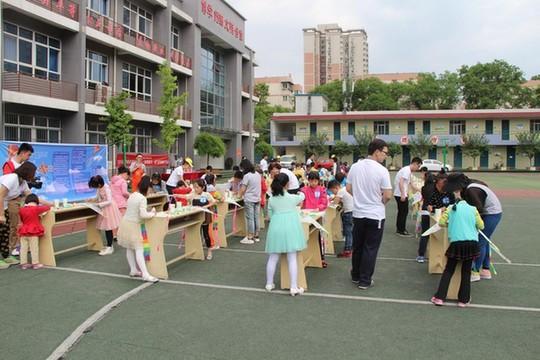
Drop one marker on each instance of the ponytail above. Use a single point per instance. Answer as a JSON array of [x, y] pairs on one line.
[[279, 184]]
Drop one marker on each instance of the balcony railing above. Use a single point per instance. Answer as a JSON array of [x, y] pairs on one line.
[[179, 58], [66, 8], [110, 27], [37, 86], [245, 88]]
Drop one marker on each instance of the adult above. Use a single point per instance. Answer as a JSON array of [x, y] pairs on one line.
[[176, 175], [369, 184], [250, 190], [401, 190], [479, 195], [24, 152], [294, 185], [264, 163], [137, 170], [311, 160], [334, 165]]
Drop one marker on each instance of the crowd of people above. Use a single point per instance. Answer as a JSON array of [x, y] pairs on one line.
[[363, 191]]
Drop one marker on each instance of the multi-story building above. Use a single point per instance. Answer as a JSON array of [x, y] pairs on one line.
[[281, 90], [445, 129], [389, 78], [62, 60], [331, 53]]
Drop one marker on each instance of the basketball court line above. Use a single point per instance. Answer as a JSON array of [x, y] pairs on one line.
[[309, 294]]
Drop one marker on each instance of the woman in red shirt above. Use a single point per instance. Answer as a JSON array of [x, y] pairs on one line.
[[30, 231]]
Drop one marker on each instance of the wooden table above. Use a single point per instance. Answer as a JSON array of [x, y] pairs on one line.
[[157, 200], [331, 219], [309, 257], [240, 218], [162, 224]]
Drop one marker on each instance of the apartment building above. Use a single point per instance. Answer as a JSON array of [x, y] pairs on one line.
[[445, 129], [62, 60], [331, 53], [389, 78], [281, 90]]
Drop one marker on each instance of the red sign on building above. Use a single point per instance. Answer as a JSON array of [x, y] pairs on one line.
[[208, 10], [150, 160]]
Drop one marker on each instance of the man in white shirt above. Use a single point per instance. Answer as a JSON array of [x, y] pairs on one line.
[[369, 184], [401, 192], [264, 164], [294, 185], [176, 175]]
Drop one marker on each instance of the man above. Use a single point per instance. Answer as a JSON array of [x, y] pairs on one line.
[[264, 163], [176, 175], [369, 184], [23, 154], [401, 190], [310, 160]]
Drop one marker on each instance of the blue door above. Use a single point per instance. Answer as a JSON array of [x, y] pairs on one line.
[[510, 157], [484, 159], [432, 153], [406, 156], [458, 158]]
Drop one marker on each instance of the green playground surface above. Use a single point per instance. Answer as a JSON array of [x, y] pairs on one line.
[[219, 310]]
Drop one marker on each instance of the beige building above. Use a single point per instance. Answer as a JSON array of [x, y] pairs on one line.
[[331, 53], [281, 90], [389, 78]]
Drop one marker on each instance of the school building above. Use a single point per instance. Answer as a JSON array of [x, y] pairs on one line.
[[63, 59], [444, 127]]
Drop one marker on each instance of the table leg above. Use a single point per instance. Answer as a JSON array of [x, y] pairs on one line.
[[285, 281], [194, 248], [46, 247], [222, 234], [156, 228], [93, 235], [438, 243]]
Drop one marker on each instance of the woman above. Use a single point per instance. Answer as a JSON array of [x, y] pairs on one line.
[[138, 170], [250, 190]]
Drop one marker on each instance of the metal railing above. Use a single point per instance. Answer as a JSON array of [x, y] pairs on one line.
[[181, 59], [16, 81], [66, 8]]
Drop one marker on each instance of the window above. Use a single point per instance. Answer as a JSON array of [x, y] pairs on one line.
[[97, 68], [175, 38], [312, 128], [285, 98], [380, 127], [489, 127], [410, 127], [212, 87], [32, 128], [142, 140], [352, 129], [31, 53], [426, 127], [137, 81], [99, 6], [457, 127], [337, 131], [535, 126], [136, 20], [95, 132]]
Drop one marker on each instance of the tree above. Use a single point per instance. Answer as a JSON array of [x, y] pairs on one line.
[[474, 145], [315, 144], [334, 93], [263, 148], [261, 91], [263, 115], [209, 145], [394, 149], [372, 94], [528, 144], [363, 138], [169, 104], [420, 145], [119, 126], [341, 148], [535, 77], [449, 90]]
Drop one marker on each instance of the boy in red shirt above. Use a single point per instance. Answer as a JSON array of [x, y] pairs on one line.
[[30, 230]]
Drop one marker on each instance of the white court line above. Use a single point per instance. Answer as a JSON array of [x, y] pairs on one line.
[[312, 294], [87, 325]]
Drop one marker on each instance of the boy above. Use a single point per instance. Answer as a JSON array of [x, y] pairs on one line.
[[342, 196]]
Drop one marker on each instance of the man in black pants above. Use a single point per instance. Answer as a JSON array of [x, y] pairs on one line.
[[369, 184], [401, 190]]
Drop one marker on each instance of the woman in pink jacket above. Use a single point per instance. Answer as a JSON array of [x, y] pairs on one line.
[[119, 188]]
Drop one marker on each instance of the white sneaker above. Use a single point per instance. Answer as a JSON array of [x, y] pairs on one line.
[[209, 256], [106, 251], [150, 278], [247, 241], [270, 287], [475, 276], [256, 239], [15, 252], [297, 291]]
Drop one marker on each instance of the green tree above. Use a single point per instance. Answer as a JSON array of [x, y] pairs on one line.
[[262, 148], [261, 91], [535, 77], [420, 145], [363, 138], [449, 90], [334, 93], [118, 131], [209, 145], [474, 145], [528, 145], [394, 149], [315, 144], [341, 148], [492, 85], [263, 115], [372, 94], [169, 105]]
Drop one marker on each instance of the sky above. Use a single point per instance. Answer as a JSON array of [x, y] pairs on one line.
[[403, 35]]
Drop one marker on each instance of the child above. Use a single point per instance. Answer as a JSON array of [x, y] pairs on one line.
[[130, 232], [463, 221], [30, 230], [315, 199], [158, 185], [119, 188], [285, 232], [110, 217], [210, 180], [181, 189], [343, 197]]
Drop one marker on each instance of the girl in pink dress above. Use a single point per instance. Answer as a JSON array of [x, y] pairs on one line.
[[110, 217]]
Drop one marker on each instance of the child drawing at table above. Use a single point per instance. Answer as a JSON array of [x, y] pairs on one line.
[[181, 189], [30, 229], [285, 233], [463, 221], [110, 216], [342, 196]]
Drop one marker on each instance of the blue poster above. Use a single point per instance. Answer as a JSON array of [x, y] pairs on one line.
[[63, 169]]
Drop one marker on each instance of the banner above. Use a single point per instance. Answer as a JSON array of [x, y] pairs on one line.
[[63, 169], [150, 160]]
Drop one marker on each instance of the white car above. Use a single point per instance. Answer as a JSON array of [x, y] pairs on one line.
[[286, 160], [435, 165]]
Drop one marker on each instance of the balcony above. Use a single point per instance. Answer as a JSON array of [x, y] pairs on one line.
[[110, 27], [29, 84], [66, 8], [179, 58]]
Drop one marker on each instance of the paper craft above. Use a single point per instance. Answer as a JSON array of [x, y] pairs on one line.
[[312, 221], [432, 230], [93, 207], [495, 247], [232, 201], [417, 197]]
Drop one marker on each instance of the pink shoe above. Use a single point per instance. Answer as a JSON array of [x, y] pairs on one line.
[[37, 266], [26, 266], [462, 305], [485, 274], [437, 301]]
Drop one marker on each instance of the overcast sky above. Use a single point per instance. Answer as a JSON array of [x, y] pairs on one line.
[[403, 35]]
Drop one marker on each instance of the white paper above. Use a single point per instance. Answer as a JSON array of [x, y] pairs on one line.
[[432, 230], [417, 197], [312, 221], [495, 247], [93, 207]]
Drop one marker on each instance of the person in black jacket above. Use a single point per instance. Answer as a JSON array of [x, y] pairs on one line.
[[427, 191]]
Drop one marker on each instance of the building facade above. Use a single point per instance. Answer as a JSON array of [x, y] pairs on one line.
[[62, 60], [331, 53], [445, 129], [281, 90]]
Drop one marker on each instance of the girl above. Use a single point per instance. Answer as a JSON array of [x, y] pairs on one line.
[[138, 170], [463, 221], [181, 189], [110, 217], [285, 232], [158, 185], [30, 231], [119, 188], [130, 232]]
